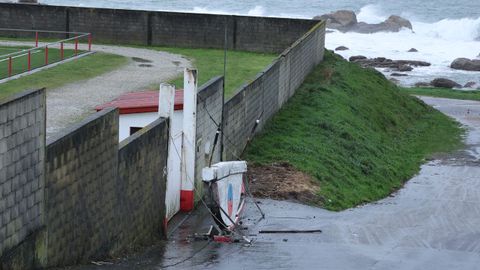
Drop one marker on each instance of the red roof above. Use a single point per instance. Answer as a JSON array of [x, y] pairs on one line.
[[141, 102]]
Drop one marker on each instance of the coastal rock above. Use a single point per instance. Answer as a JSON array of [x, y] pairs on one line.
[[444, 83], [412, 50], [346, 21], [404, 68], [398, 65], [356, 57], [470, 85], [339, 19], [466, 64], [342, 48], [398, 74], [422, 84]]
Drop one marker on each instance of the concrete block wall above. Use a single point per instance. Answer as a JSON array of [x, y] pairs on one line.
[[22, 142], [159, 28], [264, 96], [80, 189], [209, 115], [141, 185]]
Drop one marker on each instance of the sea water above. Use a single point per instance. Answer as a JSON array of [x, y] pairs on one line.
[[443, 30]]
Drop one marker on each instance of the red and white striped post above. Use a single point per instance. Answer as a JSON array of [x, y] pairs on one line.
[[36, 39], [9, 66], [187, 194], [29, 61], [46, 55], [61, 50], [89, 42]]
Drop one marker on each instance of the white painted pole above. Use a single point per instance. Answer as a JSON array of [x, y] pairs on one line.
[[189, 140], [166, 103]]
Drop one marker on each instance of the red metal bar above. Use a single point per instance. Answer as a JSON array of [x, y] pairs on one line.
[[89, 42], [36, 39], [29, 61], [61, 51], [9, 66], [76, 46], [46, 55]]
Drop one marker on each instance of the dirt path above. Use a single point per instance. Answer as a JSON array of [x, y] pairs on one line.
[[72, 102]]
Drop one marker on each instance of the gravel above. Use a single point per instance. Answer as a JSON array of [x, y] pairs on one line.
[[73, 102]]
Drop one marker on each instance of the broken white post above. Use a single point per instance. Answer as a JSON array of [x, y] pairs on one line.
[[189, 140], [166, 103]]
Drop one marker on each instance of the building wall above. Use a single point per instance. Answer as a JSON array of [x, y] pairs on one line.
[[178, 29], [22, 142]]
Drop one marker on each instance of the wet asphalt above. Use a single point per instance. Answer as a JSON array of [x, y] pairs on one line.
[[432, 223]]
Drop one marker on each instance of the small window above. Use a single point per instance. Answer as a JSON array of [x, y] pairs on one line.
[[133, 130]]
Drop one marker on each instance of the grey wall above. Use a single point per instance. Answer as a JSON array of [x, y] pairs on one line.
[[209, 116], [264, 96], [141, 185], [80, 189], [22, 142], [159, 28]]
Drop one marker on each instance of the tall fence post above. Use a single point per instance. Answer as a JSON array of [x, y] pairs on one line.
[[61, 50], [89, 42], [76, 46], [36, 39], [46, 55], [9, 66], [29, 61]]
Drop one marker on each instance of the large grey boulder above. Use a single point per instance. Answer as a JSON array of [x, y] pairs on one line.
[[339, 19], [466, 64], [445, 83], [395, 22]]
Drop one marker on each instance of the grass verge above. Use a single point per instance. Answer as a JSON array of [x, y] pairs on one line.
[[355, 132], [241, 66], [444, 93], [81, 69]]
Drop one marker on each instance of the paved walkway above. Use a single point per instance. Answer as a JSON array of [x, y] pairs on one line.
[[72, 102], [432, 223]]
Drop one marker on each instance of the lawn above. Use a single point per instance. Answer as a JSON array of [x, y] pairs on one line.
[[444, 93], [356, 133], [241, 66], [81, 69], [20, 59]]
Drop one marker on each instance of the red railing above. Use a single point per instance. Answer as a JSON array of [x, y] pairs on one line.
[[43, 53]]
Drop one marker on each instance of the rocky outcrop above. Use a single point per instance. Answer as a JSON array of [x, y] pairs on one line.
[[346, 21], [356, 57], [422, 84], [342, 48], [472, 85], [466, 64], [339, 19], [382, 62], [398, 74], [412, 50], [444, 83]]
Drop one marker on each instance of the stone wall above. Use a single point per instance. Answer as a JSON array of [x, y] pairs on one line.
[[22, 142], [209, 117], [80, 189], [102, 198], [265, 95], [118, 26]]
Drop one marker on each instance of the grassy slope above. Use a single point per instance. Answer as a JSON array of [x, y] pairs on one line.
[[81, 69], [241, 66], [355, 132], [444, 93]]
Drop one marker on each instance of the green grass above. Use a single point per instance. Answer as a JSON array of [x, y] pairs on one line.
[[444, 93], [81, 69], [20, 59], [355, 132], [241, 66]]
